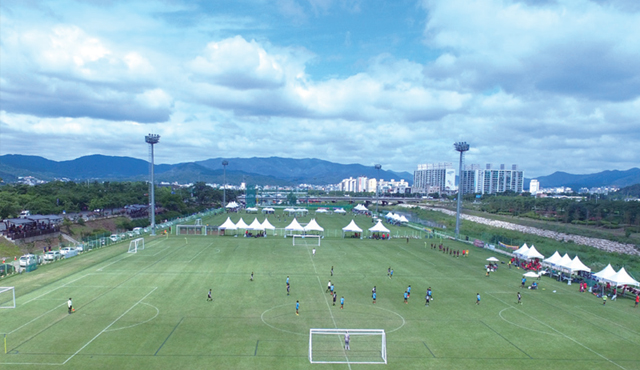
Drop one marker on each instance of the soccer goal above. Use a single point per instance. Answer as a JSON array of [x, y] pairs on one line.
[[135, 245], [191, 230], [367, 346], [7, 297], [308, 240]]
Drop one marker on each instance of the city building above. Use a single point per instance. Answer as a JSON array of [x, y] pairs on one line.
[[534, 186], [489, 180], [434, 175]]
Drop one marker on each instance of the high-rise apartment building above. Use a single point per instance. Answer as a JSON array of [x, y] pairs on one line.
[[431, 175], [534, 186], [491, 180]]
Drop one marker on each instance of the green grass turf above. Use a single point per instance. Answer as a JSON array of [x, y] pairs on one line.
[[149, 310]]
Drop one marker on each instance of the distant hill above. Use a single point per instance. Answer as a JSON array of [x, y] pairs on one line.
[[263, 171], [604, 178]]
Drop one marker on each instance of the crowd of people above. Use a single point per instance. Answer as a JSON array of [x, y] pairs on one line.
[[26, 230]]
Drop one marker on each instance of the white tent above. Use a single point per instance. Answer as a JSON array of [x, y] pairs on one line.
[[339, 210], [553, 260], [268, 210], [532, 253], [389, 215], [252, 210], [605, 273], [322, 210], [232, 205], [564, 262], [577, 265], [267, 226], [622, 278], [379, 228], [523, 250], [256, 225], [313, 226], [289, 210], [360, 207], [351, 228], [294, 226], [241, 224], [228, 225], [403, 219]]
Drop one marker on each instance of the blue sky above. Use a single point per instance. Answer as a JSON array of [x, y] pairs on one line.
[[548, 85]]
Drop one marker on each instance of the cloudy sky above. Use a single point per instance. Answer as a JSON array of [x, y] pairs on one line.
[[548, 85]]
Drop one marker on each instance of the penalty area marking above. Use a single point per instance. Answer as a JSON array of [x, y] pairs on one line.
[[108, 326], [140, 323]]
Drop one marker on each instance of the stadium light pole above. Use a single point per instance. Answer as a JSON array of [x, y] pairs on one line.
[[152, 140], [460, 147], [225, 163], [377, 167]]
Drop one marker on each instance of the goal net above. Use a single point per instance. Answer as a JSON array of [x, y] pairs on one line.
[[367, 346], [309, 240], [135, 245], [191, 230], [7, 297]]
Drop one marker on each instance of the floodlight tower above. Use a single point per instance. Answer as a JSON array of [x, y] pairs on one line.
[[377, 167], [152, 139], [225, 163], [460, 147]]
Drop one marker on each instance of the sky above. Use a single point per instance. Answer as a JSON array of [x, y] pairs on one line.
[[549, 85]]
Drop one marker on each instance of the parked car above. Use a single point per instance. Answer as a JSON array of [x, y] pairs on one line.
[[68, 252], [52, 256], [137, 230], [80, 247], [114, 237], [28, 259]]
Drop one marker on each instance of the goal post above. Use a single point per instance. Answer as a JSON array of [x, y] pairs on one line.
[[135, 245], [7, 297], [306, 240], [191, 230], [367, 346]]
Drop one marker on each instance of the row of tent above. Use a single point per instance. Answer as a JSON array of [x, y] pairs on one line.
[[608, 274], [396, 217], [295, 226]]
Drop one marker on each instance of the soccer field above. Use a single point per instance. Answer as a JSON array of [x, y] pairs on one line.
[[149, 310]]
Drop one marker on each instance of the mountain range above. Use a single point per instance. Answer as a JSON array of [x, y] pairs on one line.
[[262, 171]]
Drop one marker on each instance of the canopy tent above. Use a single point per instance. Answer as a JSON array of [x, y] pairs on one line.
[[553, 260], [389, 215], [493, 259], [227, 225], [621, 278], [267, 226], [520, 252], [360, 207], [322, 210], [577, 265], [379, 228], [252, 210], [339, 210], [532, 253], [232, 205], [351, 228], [605, 273], [531, 274], [268, 210], [241, 224], [564, 262], [403, 219], [256, 225], [289, 210], [294, 226], [313, 226]]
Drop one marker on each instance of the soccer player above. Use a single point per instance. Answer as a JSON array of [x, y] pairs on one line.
[[335, 295], [604, 299], [374, 297], [288, 289], [313, 251], [409, 292], [637, 301], [251, 278], [519, 298], [209, 298], [373, 290], [342, 302], [287, 280], [332, 288], [389, 271], [391, 275], [524, 280], [328, 286], [346, 341], [70, 305], [429, 293], [331, 270], [297, 306], [406, 295], [478, 299], [427, 298]]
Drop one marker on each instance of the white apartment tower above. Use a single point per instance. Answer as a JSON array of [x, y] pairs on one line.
[[434, 175], [491, 180]]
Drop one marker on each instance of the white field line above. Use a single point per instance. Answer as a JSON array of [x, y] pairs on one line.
[[563, 334], [197, 254], [116, 261], [54, 289], [108, 326], [51, 310]]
